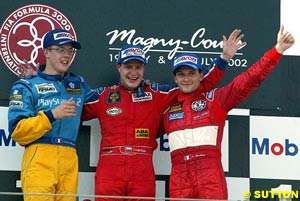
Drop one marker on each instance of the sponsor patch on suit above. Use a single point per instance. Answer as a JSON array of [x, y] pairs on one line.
[[176, 115], [17, 93], [45, 88], [198, 105], [114, 97], [146, 97], [73, 87], [142, 133]]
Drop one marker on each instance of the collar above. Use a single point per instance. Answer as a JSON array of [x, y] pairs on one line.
[[139, 90], [49, 77]]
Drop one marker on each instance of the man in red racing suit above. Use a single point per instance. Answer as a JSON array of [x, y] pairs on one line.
[[129, 124], [130, 115], [195, 123]]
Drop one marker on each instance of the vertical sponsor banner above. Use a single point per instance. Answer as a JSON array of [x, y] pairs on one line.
[[236, 147], [10, 152], [94, 141], [274, 148], [289, 17], [236, 187]]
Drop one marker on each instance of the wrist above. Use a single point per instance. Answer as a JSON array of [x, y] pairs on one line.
[[50, 115], [279, 49], [224, 58]]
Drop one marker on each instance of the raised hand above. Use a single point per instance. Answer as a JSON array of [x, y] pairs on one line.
[[66, 109], [232, 44], [27, 69], [285, 40]]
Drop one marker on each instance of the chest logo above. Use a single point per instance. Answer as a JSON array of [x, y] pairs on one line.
[[146, 97], [73, 88], [113, 111], [176, 115], [175, 108], [45, 88], [198, 105], [114, 97], [142, 133]]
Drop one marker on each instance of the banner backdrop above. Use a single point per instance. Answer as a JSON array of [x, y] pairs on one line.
[[260, 145]]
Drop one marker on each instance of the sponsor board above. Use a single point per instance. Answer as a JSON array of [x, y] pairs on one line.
[[289, 15], [10, 152], [274, 147]]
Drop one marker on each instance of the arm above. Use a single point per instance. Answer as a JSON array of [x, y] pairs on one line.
[[92, 105], [89, 111], [24, 125], [243, 85], [216, 71]]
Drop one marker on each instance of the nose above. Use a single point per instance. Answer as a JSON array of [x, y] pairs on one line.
[[186, 78], [133, 70]]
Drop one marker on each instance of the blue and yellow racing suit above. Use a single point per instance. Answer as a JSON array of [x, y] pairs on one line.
[[50, 162]]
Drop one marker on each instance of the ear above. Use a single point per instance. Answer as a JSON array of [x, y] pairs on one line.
[[201, 75], [46, 52], [175, 80], [118, 66]]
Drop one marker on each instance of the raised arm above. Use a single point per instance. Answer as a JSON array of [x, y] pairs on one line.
[[243, 85], [216, 71]]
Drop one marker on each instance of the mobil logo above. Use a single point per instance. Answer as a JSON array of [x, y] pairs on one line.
[[5, 139], [164, 143], [265, 146]]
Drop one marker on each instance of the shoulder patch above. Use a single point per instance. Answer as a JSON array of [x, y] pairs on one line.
[[100, 90], [210, 95], [16, 93], [154, 87]]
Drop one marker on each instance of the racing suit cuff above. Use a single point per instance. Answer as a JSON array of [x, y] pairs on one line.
[[221, 63], [273, 54], [50, 116]]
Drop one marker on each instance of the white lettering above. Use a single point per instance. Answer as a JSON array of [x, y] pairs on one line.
[[197, 40]]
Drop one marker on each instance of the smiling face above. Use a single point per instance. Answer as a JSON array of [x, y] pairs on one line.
[[58, 59], [188, 79], [131, 73]]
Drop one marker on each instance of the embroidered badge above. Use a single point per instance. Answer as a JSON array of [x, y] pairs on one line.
[[114, 97], [198, 105], [142, 133]]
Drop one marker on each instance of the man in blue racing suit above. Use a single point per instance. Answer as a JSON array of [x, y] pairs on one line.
[[44, 116]]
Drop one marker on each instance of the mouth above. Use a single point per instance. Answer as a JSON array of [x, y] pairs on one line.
[[132, 78], [185, 85], [65, 62]]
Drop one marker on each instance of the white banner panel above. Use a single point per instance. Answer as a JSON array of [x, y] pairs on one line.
[[289, 17], [274, 147], [10, 152], [236, 187]]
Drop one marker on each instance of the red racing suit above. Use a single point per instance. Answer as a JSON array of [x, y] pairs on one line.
[[129, 126], [194, 125]]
